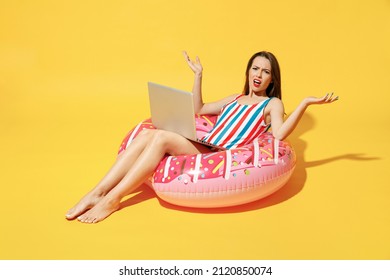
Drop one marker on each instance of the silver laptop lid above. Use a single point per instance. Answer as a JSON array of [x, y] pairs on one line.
[[172, 109]]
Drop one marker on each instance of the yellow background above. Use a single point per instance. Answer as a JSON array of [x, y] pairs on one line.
[[73, 80]]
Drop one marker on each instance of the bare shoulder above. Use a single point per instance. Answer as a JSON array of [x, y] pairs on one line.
[[226, 99], [275, 104], [216, 106], [276, 101], [231, 97]]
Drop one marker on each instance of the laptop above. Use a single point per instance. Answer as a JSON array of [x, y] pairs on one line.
[[173, 110]]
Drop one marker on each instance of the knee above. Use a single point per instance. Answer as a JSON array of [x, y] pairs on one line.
[[159, 138], [154, 136], [148, 134]]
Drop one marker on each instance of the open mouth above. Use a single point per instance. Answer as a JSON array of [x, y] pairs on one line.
[[256, 82]]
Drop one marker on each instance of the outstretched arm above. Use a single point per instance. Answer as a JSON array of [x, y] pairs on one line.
[[199, 106], [197, 68], [281, 129]]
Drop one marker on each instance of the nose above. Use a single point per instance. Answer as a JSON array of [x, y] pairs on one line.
[[259, 72]]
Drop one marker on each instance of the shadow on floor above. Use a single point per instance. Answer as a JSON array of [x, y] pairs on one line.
[[292, 188]]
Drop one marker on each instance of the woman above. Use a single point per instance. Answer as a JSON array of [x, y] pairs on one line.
[[241, 119]]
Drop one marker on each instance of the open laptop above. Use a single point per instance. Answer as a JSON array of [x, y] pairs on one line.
[[173, 110]]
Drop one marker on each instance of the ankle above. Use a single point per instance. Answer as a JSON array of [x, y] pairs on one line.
[[100, 192], [112, 201]]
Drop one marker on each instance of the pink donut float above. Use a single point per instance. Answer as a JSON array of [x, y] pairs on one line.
[[221, 178]]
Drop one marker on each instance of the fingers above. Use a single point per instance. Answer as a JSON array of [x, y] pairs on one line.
[[195, 66], [187, 58], [329, 98]]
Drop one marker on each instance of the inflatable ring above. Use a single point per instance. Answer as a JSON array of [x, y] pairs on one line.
[[221, 178]]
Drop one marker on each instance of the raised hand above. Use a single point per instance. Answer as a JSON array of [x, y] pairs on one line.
[[195, 66], [328, 98]]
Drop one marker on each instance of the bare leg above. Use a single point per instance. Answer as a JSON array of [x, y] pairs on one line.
[[119, 169], [161, 143]]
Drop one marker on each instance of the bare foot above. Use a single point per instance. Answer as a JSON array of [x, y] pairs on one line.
[[100, 211], [86, 203]]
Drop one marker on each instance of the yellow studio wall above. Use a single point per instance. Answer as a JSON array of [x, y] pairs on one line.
[[73, 80]]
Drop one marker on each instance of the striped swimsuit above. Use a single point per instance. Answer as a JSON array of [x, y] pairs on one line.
[[238, 124]]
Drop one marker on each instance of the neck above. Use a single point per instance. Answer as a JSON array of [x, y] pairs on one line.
[[257, 94]]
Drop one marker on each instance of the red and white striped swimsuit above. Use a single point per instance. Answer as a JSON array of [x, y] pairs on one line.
[[238, 124]]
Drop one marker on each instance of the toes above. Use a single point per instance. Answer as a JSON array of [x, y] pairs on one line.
[[74, 212], [92, 220], [83, 219], [87, 219], [70, 214], [69, 217]]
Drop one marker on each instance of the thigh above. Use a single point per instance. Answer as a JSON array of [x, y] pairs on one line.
[[179, 145]]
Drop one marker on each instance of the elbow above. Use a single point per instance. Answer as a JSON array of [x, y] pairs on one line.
[[199, 109], [278, 136]]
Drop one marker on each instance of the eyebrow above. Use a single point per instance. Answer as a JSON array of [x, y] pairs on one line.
[[259, 67]]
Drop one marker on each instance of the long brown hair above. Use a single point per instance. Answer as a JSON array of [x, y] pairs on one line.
[[274, 89]]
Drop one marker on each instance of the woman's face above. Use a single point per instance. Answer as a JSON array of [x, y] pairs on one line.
[[259, 75]]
